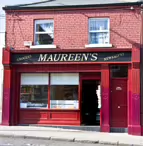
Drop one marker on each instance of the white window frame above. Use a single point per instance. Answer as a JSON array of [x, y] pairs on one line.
[[91, 45], [42, 45]]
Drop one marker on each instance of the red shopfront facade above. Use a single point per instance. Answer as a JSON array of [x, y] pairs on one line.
[[120, 93]]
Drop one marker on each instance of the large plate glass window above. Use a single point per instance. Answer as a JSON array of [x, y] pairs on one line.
[[44, 32], [99, 31], [64, 91], [34, 90]]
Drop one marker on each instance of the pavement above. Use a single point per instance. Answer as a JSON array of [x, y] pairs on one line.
[[59, 134]]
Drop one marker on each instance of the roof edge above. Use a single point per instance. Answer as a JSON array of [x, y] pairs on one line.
[[18, 7]]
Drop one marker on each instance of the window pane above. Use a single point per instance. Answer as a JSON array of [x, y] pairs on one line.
[[65, 79], [118, 71], [34, 79], [99, 38], [34, 96], [98, 24], [64, 96], [41, 39], [45, 27]]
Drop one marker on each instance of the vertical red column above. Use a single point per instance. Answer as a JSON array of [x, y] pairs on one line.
[[134, 101], [6, 88], [134, 112], [6, 97], [105, 101]]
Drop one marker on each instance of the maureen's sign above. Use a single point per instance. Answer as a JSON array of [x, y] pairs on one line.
[[72, 57]]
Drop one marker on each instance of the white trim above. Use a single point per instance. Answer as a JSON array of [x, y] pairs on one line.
[[43, 47], [98, 45], [95, 31], [43, 33]]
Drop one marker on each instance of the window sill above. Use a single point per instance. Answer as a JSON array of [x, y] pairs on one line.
[[43, 47], [98, 45]]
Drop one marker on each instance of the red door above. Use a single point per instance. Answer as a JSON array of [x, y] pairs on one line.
[[118, 103]]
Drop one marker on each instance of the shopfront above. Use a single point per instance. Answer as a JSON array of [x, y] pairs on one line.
[[68, 88]]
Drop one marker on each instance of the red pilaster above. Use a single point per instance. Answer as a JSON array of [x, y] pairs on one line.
[[105, 112], [134, 122], [6, 88], [134, 126]]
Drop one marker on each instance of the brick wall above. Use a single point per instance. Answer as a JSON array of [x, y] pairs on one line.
[[71, 27]]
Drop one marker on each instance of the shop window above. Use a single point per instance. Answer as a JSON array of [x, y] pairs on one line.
[[34, 91], [119, 71], [64, 91], [44, 32], [99, 31]]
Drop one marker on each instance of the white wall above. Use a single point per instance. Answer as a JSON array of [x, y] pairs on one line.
[[2, 45]]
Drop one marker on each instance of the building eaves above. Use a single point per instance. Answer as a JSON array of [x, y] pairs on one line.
[[53, 4]]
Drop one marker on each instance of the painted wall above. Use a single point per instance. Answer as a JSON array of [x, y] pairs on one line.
[[71, 27]]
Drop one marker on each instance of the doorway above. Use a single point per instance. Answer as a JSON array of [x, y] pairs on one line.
[[118, 94], [90, 108], [119, 103]]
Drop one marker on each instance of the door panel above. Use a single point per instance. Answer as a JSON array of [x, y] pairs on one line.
[[118, 103]]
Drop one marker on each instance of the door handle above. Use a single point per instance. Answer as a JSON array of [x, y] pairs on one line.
[[118, 106]]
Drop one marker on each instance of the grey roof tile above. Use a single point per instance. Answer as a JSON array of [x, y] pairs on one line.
[[66, 3]]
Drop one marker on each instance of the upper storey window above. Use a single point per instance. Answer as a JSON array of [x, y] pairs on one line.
[[44, 32], [99, 31]]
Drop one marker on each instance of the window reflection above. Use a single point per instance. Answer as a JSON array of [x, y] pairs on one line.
[[118, 71], [64, 96], [99, 31], [34, 96]]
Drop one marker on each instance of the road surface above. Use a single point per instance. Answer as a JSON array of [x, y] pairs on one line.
[[10, 141]]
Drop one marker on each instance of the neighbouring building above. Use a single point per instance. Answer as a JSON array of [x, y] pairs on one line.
[[2, 45], [74, 63]]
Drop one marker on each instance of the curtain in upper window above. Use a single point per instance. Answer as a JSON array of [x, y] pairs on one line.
[[44, 32], [98, 31]]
